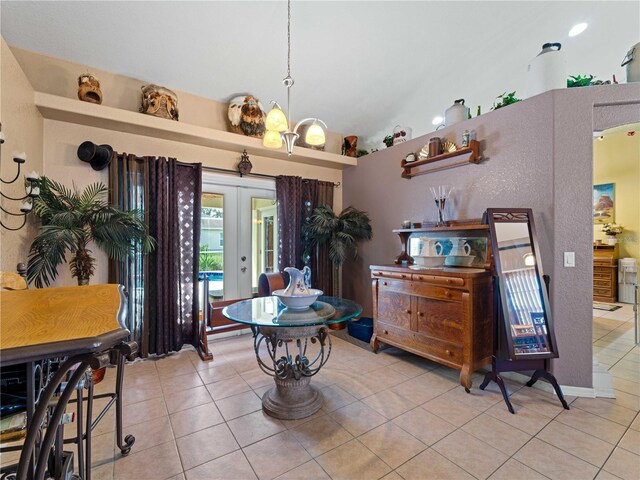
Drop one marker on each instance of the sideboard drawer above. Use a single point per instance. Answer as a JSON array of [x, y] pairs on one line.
[[439, 280], [606, 283], [603, 292], [431, 347], [387, 274]]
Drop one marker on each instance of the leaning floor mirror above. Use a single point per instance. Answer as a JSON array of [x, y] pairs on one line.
[[525, 305], [523, 328]]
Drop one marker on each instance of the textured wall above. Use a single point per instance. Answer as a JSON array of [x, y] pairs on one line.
[[22, 129], [538, 154]]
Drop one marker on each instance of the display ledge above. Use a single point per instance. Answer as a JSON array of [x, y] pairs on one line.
[[54, 107]]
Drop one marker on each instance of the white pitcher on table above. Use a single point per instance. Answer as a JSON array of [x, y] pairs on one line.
[[299, 281], [430, 248], [460, 247]]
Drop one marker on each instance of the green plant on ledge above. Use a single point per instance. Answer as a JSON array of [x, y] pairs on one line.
[[71, 220], [580, 81], [209, 261], [505, 99]]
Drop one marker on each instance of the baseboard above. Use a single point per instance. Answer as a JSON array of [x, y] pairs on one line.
[[233, 333]]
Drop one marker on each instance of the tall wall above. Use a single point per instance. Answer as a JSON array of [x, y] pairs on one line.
[[616, 159], [22, 128], [537, 154]]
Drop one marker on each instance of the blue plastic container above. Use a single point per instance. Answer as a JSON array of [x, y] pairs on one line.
[[361, 329]]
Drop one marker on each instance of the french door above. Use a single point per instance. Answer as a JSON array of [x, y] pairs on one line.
[[238, 234]]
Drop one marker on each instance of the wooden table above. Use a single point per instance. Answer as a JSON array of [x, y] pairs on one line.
[[81, 325]]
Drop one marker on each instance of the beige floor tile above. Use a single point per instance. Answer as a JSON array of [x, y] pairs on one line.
[[102, 472], [584, 446], [424, 388], [228, 387], [631, 442], [626, 400], [527, 420], [171, 384], [151, 433], [592, 424], [307, 471], [553, 462], [335, 398], [238, 405], [624, 374], [216, 373], [256, 378], [604, 475], [409, 369], [132, 379], [476, 398], [321, 435], [291, 424], [205, 445], [197, 418], [392, 444], [176, 369], [387, 376], [357, 418], [391, 476], [143, 411], [254, 427], [161, 461], [231, 466], [512, 469], [623, 464], [276, 455], [471, 454], [185, 399], [620, 384], [389, 404], [425, 426], [430, 465], [360, 387], [353, 461], [606, 409], [636, 424], [543, 403], [496, 433], [135, 394], [453, 412]]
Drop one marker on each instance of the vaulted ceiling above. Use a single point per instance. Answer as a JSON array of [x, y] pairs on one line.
[[361, 66]]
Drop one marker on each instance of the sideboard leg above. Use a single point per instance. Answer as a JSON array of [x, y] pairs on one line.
[[375, 345], [465, 378]]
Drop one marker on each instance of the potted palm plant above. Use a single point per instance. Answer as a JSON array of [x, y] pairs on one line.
[[71, 221], [340, 232]]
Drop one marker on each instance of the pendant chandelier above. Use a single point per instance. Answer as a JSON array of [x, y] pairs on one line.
[[278, 124]]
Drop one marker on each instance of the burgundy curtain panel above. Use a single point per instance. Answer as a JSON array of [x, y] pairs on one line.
[[166, 282], [296, 200]]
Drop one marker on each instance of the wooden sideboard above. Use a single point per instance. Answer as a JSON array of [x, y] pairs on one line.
[[444, 315], [605, 273]]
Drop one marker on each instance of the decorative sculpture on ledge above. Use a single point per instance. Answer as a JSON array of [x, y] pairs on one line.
[[32, 190]]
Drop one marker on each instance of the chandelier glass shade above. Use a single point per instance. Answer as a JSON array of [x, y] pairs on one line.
[[278, 126]]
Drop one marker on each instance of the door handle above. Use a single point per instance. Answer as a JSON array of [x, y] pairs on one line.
[[243, 258], [243, 269]]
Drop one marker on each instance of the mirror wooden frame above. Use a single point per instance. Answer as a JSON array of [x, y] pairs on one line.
[[519, 215]]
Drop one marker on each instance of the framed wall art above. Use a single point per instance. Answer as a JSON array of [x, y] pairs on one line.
[[603, 203]]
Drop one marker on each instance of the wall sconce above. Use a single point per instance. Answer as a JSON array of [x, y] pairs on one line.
[[32, 190]]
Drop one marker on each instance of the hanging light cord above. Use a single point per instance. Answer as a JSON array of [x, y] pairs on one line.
[[288, 81]]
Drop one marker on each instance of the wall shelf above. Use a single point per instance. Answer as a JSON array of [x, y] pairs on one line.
[[474, 157], [71, 110]]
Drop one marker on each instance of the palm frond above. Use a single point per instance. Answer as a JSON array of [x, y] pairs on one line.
[[47, 252], [94, 193]]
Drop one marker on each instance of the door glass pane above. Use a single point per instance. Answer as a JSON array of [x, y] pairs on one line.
[[212, 244], [263, 239]]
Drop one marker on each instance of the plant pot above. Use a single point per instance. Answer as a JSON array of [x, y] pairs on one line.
[[612, 240]]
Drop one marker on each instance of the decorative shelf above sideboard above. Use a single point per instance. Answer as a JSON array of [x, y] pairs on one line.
[[71, 110], [473, 152]]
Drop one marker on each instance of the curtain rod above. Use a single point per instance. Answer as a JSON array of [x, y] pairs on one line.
[[228, 170]]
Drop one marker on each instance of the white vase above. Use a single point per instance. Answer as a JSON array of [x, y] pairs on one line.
[[612, 240]]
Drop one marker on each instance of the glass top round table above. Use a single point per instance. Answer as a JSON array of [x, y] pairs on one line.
[[270, 312], [291, 346]]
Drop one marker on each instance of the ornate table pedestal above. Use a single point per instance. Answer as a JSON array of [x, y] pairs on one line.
[[292, 396]]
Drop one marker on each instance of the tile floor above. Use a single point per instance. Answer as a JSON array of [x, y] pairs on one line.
[[391, 415]]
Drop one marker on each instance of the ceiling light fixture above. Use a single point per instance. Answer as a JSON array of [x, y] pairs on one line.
[[437, 120], [277, 125], [578, 29]]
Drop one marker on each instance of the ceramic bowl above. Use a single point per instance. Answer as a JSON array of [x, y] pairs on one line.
[[298, 302], [459, 260], [429, 260]]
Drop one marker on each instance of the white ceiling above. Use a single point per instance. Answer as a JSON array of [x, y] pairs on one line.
[[361, 66]]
